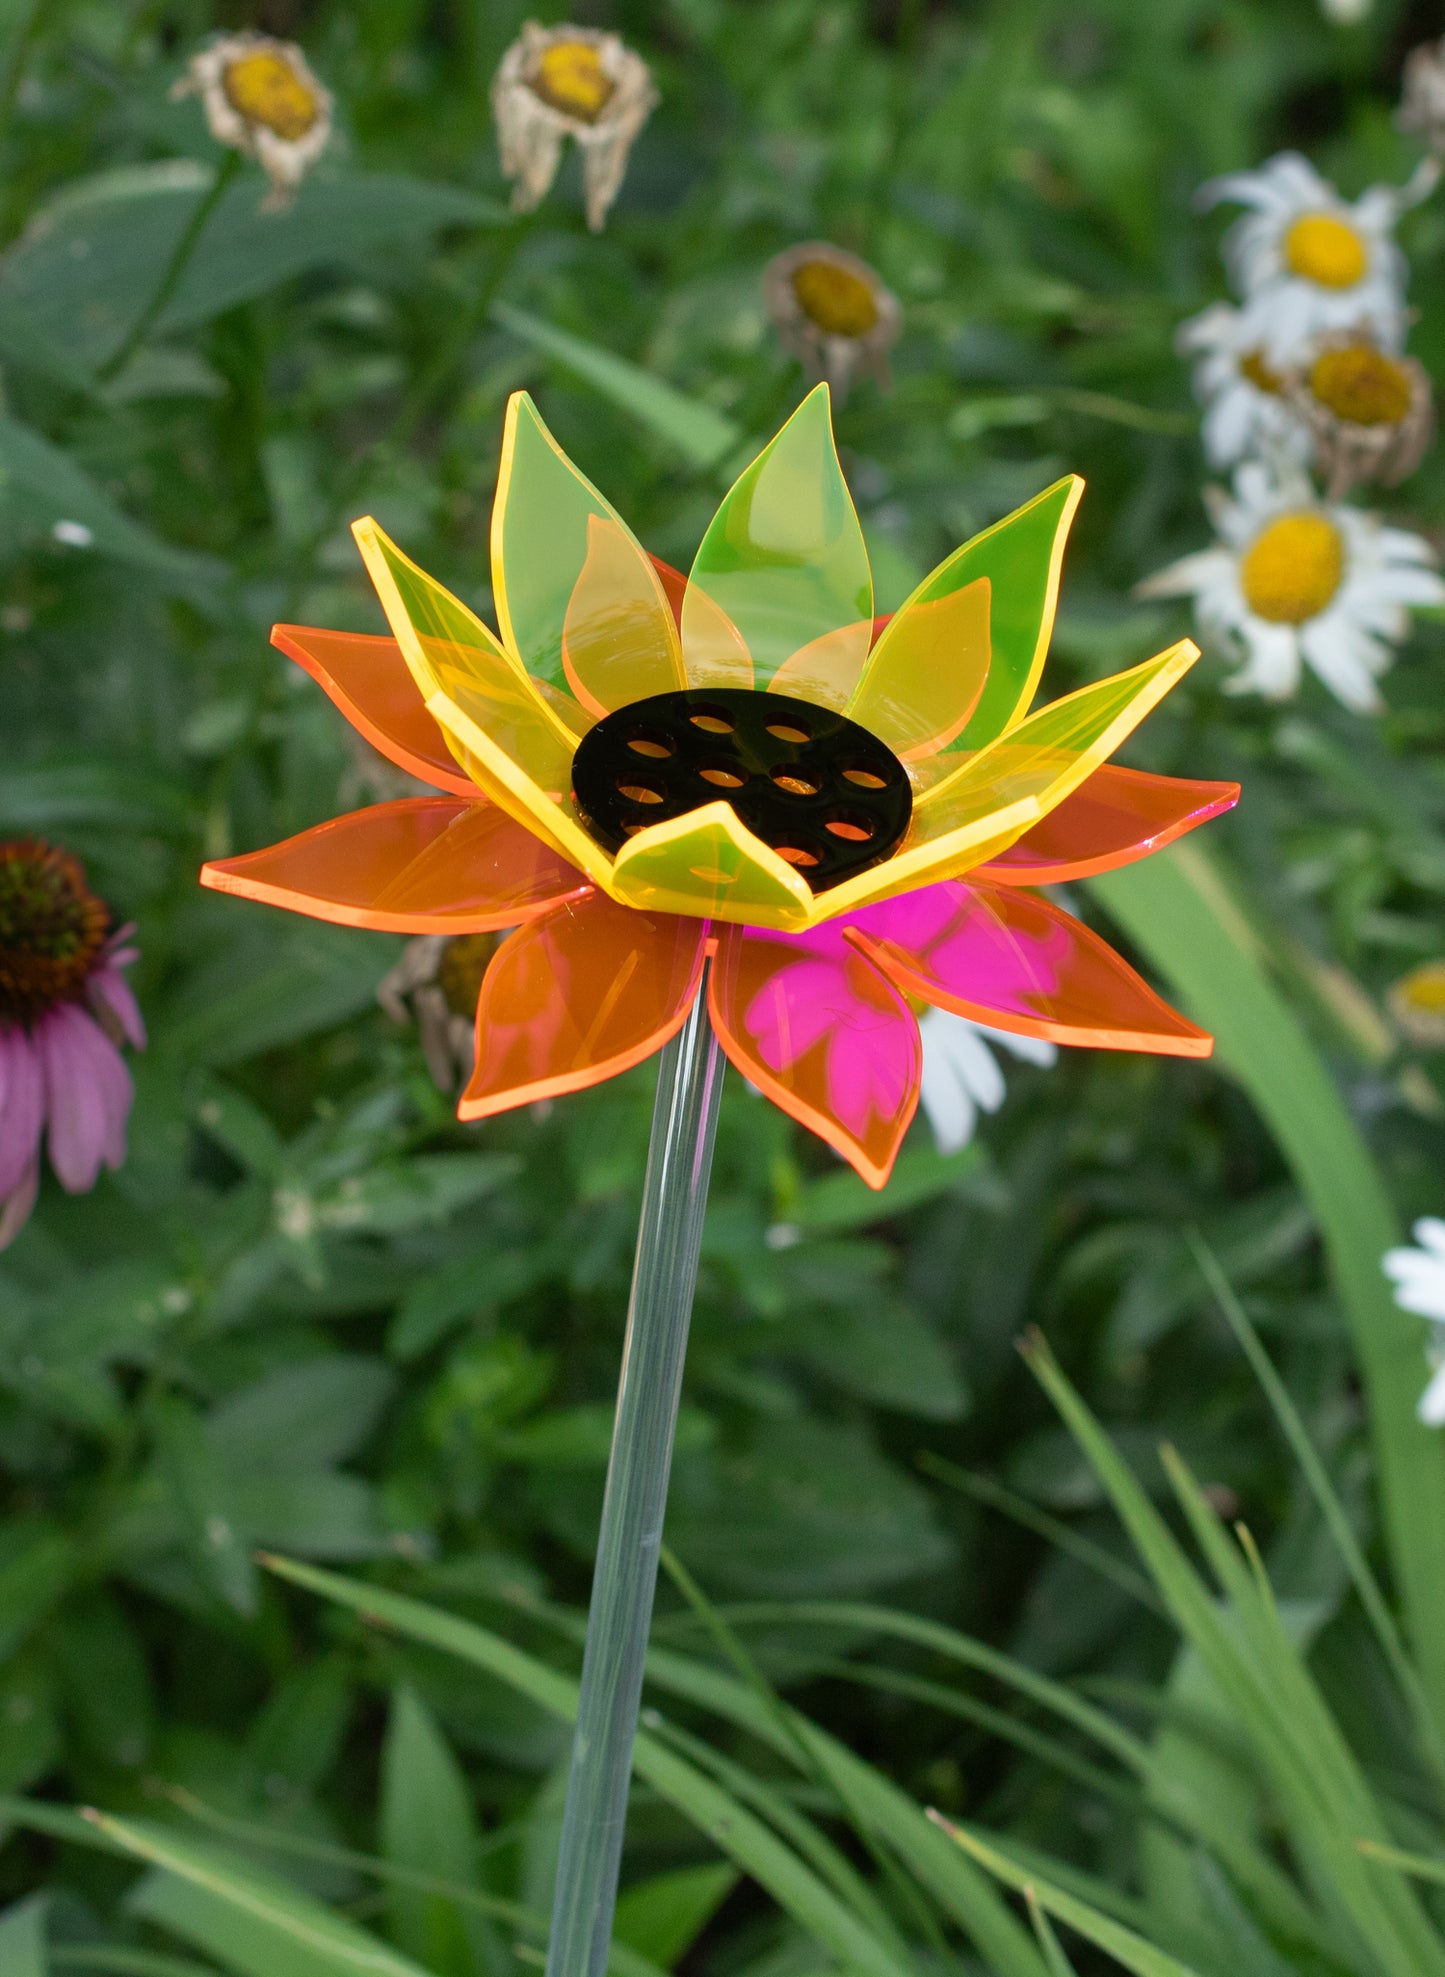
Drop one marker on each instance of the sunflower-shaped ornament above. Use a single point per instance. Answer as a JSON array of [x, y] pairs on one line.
[[640, 772]]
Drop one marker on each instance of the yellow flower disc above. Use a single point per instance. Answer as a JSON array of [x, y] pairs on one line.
[[1292, 568], [570, 77], [1325, 250], [838, 301], [1361, 384], [265, 89], [1253, 367], [1423, 990]]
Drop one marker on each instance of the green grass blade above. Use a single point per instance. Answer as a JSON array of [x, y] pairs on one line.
[[1180, 911], [737, 1832], [1133, 1952]]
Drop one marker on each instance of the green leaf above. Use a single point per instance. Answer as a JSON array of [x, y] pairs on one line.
[[663, 1917], [1144, 1959], [44, 796], [1180, 910], [22, 1938], [37, 1563], [427, 1825], [301, 1418], [89, 262], [921, 1174], [699, 434], [42, 488]]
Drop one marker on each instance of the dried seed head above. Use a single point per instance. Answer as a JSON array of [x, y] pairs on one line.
[[832, 311]]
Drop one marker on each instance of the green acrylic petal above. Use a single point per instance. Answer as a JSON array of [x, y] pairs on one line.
[[539, 539], [784, 557], [1021, 557]]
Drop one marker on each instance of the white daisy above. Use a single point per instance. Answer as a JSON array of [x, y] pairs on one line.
[[960, 1075], [577, 82], [1244, 405], [1294, 579], [1419, 1279], [1305, 260], [261, 97]]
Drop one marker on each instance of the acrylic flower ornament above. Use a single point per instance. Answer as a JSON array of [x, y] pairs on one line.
[[642, 772]]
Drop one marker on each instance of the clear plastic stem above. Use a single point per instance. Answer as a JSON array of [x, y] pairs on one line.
[[679, 1160]]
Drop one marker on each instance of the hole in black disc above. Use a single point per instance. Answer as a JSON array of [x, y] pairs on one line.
[[785, 766]]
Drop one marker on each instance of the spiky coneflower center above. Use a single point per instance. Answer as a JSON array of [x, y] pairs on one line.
[[52, 929]]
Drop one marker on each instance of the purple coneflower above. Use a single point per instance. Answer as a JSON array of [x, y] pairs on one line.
[[65, 1008]]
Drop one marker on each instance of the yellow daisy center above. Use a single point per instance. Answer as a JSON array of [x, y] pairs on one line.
[[265, 89], [1422, 991], [569, 76], [838, 301], [1361, 384], [1325, 250], [1253, 367], [1292, 568]]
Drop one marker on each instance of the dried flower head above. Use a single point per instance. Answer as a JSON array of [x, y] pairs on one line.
[[577, 82], [1370, 414], [831, 310], [262, 99], [437, 983], [65, 1009], [1417, 1003], [1422, 100]]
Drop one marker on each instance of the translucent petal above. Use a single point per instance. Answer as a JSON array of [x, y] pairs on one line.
[[826, 670], [1114, 817], [423, 865], [1050, 753], [508, 736], [923, 862], [822, 1034], [1011, 959], [1021, 556], [540, 542], [709, 864], [927, 672], [619, 639], [783, 559], [371, 683], [578, 996]]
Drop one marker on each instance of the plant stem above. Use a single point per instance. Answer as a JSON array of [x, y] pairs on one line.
[[679, 1160], [165, 288]]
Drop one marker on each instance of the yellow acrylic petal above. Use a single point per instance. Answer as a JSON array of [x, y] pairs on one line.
[[547, 813], [619, 640], [783, 559], [1051, 752], [541, 532], [714, 652], [826, 670], [709, 864], [498, 724], [924, 862], [927, 672]]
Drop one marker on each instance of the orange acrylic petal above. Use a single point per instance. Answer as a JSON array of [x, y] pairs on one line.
[[422, 865], [371, 683], [1118, 815], [1015, 961], [576, 997], [824, 1035]]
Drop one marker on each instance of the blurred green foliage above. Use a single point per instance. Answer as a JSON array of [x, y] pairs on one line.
[[315, 1316]]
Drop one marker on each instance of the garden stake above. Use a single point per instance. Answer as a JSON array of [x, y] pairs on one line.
[[674, 1199]]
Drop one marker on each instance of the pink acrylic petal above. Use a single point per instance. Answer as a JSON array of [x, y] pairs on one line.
[[22, 1107], [88, 1096], [824, 1035]]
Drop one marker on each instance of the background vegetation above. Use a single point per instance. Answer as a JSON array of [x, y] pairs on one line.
[[313, 1316]]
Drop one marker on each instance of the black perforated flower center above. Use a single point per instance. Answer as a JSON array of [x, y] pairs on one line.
[[825, 794]]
